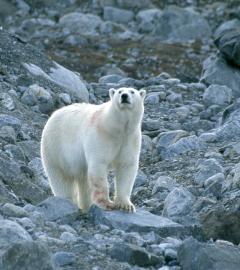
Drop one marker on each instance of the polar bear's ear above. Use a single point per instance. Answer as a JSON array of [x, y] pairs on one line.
[[142, 93], [112, 92]]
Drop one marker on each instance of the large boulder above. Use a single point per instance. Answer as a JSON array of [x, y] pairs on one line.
[[195, 255], [178, 24], [81, 23], [217, 71], [227, 39]]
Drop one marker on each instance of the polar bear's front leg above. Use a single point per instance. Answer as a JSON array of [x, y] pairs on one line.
[[97, 178], [125, 177]]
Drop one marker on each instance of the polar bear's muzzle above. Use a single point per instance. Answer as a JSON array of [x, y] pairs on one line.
[[125, 98]]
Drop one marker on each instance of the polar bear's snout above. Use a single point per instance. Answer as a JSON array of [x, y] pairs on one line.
[[125, 98]]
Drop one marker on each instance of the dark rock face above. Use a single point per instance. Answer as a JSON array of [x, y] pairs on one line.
[[227, 39], [194, 254]]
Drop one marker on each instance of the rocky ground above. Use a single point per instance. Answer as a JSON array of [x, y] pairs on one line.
[[187, 57]]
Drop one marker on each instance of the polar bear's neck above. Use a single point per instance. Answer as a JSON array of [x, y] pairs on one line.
[[123, 121]]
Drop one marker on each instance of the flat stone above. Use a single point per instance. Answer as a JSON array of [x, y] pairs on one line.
[[141, 221], [58, 209]]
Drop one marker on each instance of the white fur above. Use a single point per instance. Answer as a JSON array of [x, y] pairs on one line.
[[82, 142]]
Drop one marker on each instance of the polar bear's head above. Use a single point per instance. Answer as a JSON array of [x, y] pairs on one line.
[[127, 98]]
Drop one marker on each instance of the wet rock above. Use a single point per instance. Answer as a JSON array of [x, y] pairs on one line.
[[178, 203], [134, 255], [27, 255], [217, 71], [141, 221], [177, 24], [117, 15], [208, 256], [58, 209], [217, 94]]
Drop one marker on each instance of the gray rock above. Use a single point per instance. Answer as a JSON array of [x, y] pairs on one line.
[[174, 98], [207, 169], [208, 256], [114, 78], [217, 71], [8, 134], [221, 220], [217, 94], [62, 258], [167, 138], [214, 184], [178, 203], [65, 98], [135, 255], [146, 149], [183, 146], [38, 95], [227, 39], [68, 237], [8, 120], [152, 99], [178, 24], [63, 77], [7, 101], [236, 176], [147, 19], [58, 209], [81, 23], [27, 255], [141, 221], [141, 179], [15, 152], [163, 183], [117, 15], [12, 210], [10, 233], [31, 149], [151, 125]]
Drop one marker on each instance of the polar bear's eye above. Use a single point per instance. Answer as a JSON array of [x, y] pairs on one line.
[[132, 92], [120, 92]]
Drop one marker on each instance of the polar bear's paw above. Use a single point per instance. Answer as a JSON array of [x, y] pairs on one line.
[[105, 204], [125, 206]]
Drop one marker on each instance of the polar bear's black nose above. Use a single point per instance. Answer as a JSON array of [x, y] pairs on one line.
[[124, 97]]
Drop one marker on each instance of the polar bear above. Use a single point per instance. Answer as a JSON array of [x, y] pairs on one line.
[[82, 142]]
